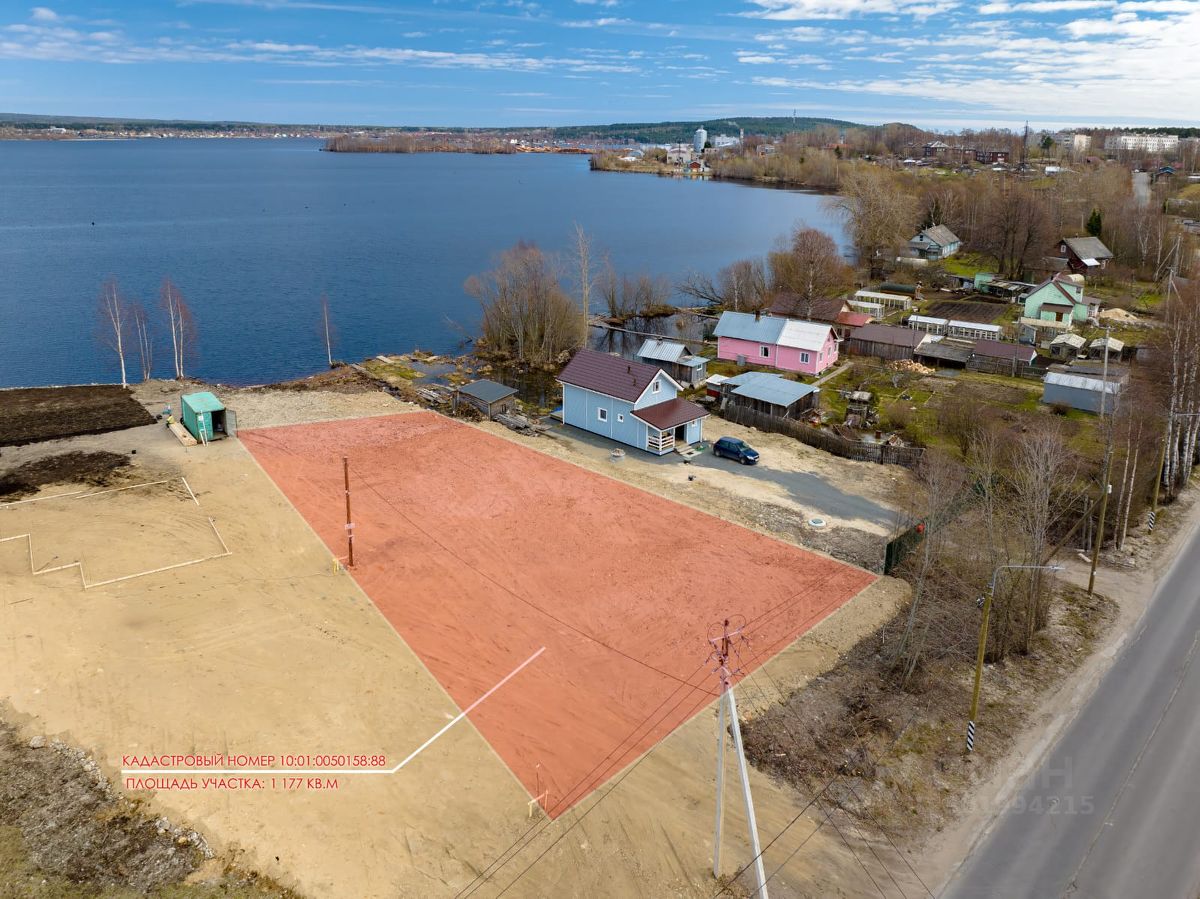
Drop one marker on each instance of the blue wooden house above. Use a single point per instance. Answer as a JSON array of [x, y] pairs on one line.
[[630, 402]]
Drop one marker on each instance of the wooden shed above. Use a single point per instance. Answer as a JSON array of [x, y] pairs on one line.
[[884, 341], [491, 398]]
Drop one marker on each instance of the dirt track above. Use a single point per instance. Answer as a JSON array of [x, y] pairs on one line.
[[268, 649]]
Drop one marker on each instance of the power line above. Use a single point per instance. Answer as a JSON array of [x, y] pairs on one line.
[[847, 842], [541, 825], [807, 806], [704, 701], [789, 710], [517, 596]]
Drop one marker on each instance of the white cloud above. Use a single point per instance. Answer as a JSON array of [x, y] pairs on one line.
[[798, 10], [44, 14], [596, 23], [1044, 6]]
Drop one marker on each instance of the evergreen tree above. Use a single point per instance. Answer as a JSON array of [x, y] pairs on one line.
[[1095, 224]]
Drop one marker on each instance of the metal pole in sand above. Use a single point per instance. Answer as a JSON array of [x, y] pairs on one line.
[[349, 523]]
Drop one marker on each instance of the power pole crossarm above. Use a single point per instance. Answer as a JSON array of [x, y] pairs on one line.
[[727, 710]]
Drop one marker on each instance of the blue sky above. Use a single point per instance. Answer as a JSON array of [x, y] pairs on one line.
[[934, 63]]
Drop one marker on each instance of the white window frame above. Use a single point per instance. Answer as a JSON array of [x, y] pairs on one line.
[[620, 417], [601, 414], [764, 352], [803, 358], [655, 386]]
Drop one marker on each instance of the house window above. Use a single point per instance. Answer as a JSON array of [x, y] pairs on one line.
[[655, 386], [804, 358], [764, 351], [602, 414], [620, 416]]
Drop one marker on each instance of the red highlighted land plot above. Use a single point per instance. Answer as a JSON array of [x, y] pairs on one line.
[[480, 551]]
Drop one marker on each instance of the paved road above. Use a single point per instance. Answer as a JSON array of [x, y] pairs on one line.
[[1141, 190], [1114, 810]]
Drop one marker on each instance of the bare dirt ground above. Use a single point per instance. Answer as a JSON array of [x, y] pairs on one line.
[[269, 650], [753, 502], [30, 414]]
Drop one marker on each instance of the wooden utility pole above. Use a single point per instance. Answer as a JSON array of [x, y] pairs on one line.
[[727, 705], [349, 523]]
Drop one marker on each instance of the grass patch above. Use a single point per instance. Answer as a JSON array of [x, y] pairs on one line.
[[392, 371]]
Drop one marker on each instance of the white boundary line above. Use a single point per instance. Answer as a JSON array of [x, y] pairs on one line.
[[412, 755], [79, 564]]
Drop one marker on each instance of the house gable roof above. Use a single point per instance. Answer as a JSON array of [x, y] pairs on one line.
[[998, 349], [770, 388], [889, 334], [940, 235], [770, 329], [662, 350], [487, 391], [1088, 247], [608, 374], [670, 413], [824, 309]]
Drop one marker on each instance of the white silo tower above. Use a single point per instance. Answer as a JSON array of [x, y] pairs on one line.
[[699, 139]]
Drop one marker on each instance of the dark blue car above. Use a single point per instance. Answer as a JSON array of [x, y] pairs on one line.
[[737, 450]]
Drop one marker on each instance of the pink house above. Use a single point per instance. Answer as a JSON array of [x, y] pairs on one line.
[[782, 343]]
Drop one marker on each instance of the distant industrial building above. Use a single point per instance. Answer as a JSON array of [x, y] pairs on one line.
[[699, 139]]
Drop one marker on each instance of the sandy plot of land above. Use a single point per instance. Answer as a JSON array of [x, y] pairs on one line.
[[265, 407], [268, 650], [108, 534], [481, 552]]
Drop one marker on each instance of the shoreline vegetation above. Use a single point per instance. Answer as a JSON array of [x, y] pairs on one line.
[[434, 143]]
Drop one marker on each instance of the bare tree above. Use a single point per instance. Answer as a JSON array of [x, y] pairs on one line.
[[625, 296], [328, 331], [881, 213], [939, 483], [181, 324], [1016, 226], [582, 246], [810, 269], [741, 286], [527, 316], [1042, 481], [113, 325], [144, 338]]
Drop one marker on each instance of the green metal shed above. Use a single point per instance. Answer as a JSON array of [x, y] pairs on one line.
[[204, 416]]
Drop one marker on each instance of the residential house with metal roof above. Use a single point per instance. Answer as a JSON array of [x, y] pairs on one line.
[[774, 342], [938, 242], [631, 402], [1054, 307], [1084, 255], [676, 359]]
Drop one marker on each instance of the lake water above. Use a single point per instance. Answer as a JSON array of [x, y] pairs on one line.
[[252, 232]]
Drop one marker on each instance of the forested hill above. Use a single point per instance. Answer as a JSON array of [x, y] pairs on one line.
[[675, 132]]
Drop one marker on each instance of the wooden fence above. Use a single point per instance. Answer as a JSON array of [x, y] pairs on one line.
[[825, 440]]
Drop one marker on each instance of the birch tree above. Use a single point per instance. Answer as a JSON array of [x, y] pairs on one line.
[[114, 322], [809, 269], [328, 332], [181, 325], [143, 337]]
